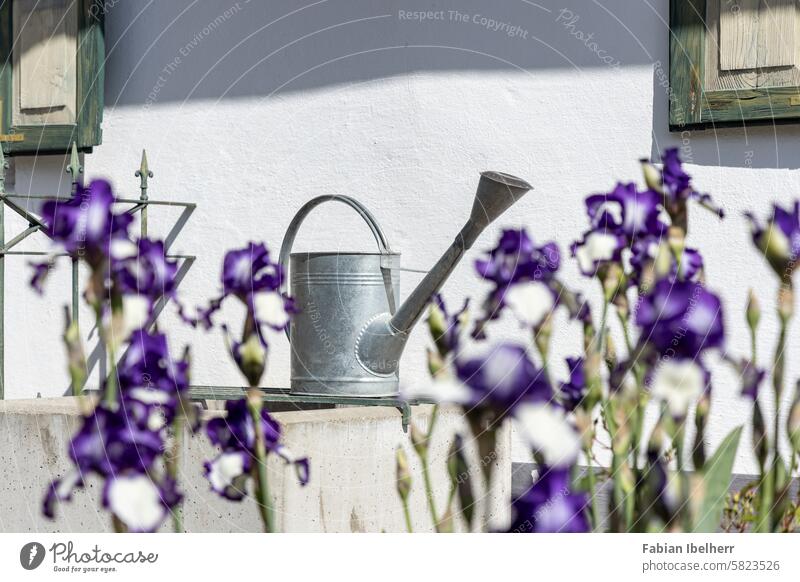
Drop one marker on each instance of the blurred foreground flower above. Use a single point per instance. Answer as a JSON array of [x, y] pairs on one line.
[[144, 404], [248, 434], [236, 436], [550, 506]]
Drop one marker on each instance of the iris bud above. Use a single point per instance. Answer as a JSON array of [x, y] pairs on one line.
[[753, 311], [612, 278], [786, 301], [251, 358], [403, 474], [437, 323], [677, 240], [419, 440], [461, 480], [663, 262], [776, 248], [610, 352], [75, 354], [652, 177], [542, 335], [435, 363]]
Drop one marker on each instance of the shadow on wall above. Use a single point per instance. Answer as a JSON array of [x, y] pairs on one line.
[[184, 50], [188, 49]]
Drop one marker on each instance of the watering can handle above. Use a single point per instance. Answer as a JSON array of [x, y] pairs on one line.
[[294, 226]]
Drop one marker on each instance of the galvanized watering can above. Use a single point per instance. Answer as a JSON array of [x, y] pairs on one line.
[[350, 332]]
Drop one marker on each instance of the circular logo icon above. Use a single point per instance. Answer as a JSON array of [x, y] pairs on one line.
[[31, 555]]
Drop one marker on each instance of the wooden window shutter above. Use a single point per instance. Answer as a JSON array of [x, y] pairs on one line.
[[52, 54], [734, 62]]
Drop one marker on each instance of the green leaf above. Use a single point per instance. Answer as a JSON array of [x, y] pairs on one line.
[[714, 483]]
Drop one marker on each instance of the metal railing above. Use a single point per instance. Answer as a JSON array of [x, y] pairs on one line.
[[138, 205]]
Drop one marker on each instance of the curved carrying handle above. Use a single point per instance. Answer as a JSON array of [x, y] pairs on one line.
[[294, 226]]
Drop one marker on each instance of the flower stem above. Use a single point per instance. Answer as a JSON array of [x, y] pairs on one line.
[[426, 473], [683, 515], [172, 469], [118, 525], [407, 515], [541, 339], [778, 373], [603, 324], [263, 498], [592, 481], [765, 505], [640, 405], [618, 499], [110, 392], [626, 331]]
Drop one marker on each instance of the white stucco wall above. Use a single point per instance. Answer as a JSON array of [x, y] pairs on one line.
[[249, 109]]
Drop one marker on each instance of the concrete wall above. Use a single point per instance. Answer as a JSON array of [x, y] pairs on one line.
[[352, 487], [251, 108]]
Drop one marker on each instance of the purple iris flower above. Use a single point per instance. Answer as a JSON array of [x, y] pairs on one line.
[[516, 258], [236, 436], [550, 506], [59, 491], [251, 276], [83, 226], [623, 218], [149, 375], [644, 251], [680, 318], [146, 270], [504, 378], [627, 211], [780, 239], [249, 270], [139, 501], [598, 249], [571, 393], [112, 441], [236, 431], [675, 179], [751, 375], [690, 267], [147, 364], [677, 185]]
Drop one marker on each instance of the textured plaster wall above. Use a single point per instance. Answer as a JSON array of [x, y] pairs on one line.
[[249, 109]]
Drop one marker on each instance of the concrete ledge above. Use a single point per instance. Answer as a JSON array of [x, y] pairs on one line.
[[352, 488]]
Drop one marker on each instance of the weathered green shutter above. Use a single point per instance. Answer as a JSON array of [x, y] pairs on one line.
[[733, 62], [39, 128]]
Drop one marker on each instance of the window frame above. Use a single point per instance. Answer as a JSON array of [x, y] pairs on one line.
[[690, 105], [86, 132]]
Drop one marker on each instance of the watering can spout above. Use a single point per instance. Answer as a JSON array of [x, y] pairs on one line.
[[383, 339]]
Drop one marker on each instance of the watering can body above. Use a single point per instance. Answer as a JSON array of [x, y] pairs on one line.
[[337, 293], [351, 328]]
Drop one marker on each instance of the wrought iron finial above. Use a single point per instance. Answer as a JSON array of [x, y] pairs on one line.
[[143, 173], [74, 168]]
